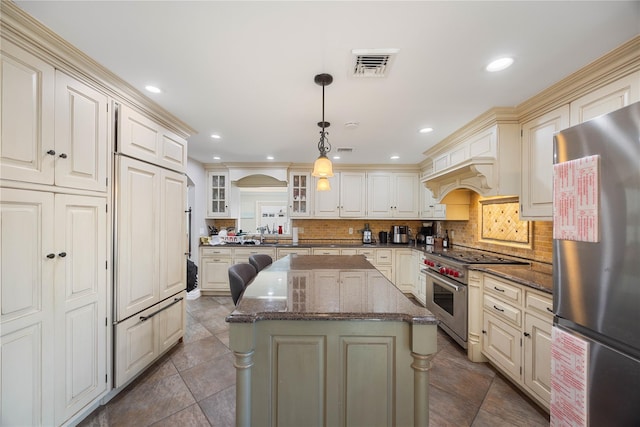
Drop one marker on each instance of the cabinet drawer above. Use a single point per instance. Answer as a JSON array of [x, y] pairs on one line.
[[242, 254], [384, 256], [501, 309], [505, 290], [539, 303], [215, 252], [325, 251], [283, 252], [349, 251]]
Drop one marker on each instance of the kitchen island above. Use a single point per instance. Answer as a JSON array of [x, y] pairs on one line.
[[329, 341]]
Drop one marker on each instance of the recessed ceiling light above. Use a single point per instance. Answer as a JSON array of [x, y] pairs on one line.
[[152, 89], [336, 157], [426, 130], [351, 125], [394, 157], [270, 157], [499, 64], [215, 136], [216, 157]]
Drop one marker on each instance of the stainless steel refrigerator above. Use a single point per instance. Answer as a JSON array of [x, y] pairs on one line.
[[595, 378]]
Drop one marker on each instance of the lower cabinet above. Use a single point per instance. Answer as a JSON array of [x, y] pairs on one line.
[[405, 269], [516, 334], [140, 339], [53, 342], [283, 252]]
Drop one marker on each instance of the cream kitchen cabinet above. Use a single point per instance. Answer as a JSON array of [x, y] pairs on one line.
[[327, 203], [537, 140], [405, 268], [385, 263], [28, 100], [537, 163], [325, 251], [393, 195], [611, 97], [516, 330], [141, 339], [54, 127], [54, 319], [242, 254], [300, 194], [147, 140], [150, 235], [217, 194], [283, 252], [353, 188], [214, 270]]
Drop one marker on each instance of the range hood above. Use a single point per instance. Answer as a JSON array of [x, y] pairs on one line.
[[483, 156], [477, 174]]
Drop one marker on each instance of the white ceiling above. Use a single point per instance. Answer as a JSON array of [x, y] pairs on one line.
[[245, 69]]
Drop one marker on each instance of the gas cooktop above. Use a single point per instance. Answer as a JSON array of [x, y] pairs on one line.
[[470, 256]]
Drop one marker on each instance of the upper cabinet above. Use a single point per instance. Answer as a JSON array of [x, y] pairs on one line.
[[299, 194], [537, 163], [608, 98], [28, 88], [353, 192], [55, 131], [537, 140], [392, 195], [326, 204], [217, 194], [483, 156], [145, 139]]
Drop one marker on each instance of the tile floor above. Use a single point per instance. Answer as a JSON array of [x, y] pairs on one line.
[[194, 384]]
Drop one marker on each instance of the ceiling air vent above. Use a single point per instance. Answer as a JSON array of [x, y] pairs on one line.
[[372, 62], [345, 150]]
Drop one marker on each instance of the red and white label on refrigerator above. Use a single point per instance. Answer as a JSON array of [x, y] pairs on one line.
[[576, 199], [569, 369]]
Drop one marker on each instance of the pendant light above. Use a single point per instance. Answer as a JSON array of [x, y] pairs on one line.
[[322, 168]]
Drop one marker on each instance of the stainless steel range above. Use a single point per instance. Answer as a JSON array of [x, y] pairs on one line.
[[446, 286]]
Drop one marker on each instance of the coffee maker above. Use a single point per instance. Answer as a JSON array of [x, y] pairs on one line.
[[366, 234], [425, 235], [399, 234]]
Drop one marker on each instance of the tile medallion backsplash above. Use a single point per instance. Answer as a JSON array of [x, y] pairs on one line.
[[500, 223]]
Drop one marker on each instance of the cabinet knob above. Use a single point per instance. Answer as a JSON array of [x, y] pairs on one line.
[[51, 152], [51, 256], [527, 334], [484, 332], [62, 254], [63, 156]]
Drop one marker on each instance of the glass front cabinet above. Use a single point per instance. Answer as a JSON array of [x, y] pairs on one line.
[[299, 194], [217, 194]]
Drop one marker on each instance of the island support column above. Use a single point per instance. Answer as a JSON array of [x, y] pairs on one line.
[[242, 342], [424, 347]]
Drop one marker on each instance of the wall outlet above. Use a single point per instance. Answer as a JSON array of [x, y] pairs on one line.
[[453, 234], [201, 231], [350, 230]]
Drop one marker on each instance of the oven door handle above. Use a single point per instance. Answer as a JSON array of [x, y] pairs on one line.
[[443, 281]]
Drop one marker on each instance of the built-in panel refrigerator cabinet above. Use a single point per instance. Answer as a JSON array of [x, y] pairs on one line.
[[150, 246]]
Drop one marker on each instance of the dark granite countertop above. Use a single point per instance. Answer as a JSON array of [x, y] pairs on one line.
[[522, 274], [307, 287]]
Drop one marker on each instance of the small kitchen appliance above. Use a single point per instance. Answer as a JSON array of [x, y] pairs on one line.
[[366, 235], [399, 234], [382, 237]]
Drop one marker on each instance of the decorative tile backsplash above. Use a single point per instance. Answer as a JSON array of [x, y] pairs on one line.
[[500, 223]]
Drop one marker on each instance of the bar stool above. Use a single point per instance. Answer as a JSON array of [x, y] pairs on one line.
[[240, 275], [260, 261]]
